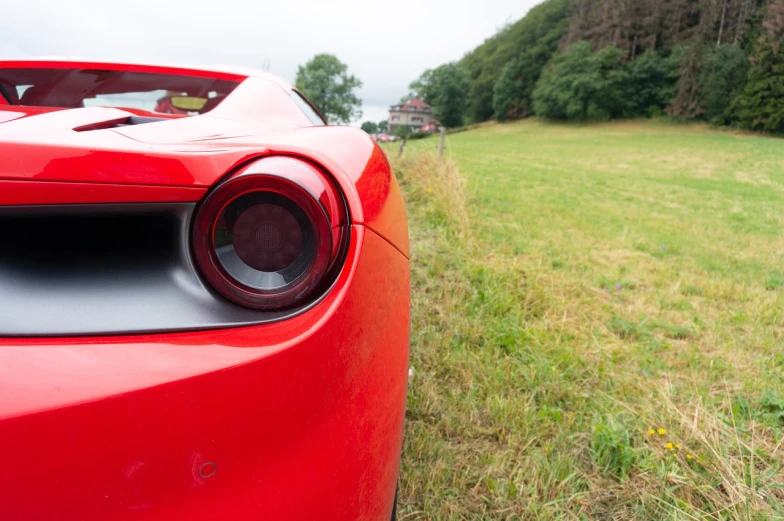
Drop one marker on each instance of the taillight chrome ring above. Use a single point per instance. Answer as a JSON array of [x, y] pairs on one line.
[[266, 238]]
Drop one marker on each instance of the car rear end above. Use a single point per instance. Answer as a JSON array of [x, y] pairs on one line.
[[180, 346]]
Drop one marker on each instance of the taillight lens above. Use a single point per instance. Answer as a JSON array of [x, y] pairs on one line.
[[271, 235]]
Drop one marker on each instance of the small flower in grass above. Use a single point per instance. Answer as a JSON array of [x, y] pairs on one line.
[[669, 446], [430, 190], [651, 432], [689, 456], [618, 287], [677, 446], [661, 432]]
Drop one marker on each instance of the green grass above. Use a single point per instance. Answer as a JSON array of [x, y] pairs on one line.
[[577, 286]]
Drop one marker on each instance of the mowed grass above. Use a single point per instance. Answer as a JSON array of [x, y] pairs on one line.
[[574, 289]]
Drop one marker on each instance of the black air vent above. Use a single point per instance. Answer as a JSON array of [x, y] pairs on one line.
[[52, 246], [117, 123], [106, 269], [139, 120]]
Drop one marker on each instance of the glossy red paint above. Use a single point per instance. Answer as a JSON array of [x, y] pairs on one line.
[[47, 192], [257, 119], [300, 419]]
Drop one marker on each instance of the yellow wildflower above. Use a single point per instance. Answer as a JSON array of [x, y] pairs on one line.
[[677, 446], [651, 432], [688, 456], [669, 446], [662, 432]]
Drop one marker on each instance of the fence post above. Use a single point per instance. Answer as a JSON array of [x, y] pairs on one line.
[[441, 142]]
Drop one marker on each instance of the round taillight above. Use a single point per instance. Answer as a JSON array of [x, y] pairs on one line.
[[271, 235]]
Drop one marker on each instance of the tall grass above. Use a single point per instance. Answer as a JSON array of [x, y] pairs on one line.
[[539, 392]]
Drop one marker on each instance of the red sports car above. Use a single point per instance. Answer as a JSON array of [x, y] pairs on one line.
[[204, 300]]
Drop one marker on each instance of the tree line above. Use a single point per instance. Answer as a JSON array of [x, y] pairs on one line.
[[717, 60]]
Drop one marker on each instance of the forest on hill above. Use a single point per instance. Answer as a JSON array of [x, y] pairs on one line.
[[720, 61]]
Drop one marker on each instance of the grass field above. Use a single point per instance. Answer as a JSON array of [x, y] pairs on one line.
[[598, 324]]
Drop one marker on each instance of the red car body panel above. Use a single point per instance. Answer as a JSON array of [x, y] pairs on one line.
[[45, 147], [14, 192], [296, 419]]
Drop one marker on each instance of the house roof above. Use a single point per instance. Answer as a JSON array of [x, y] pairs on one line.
[[414, 104]]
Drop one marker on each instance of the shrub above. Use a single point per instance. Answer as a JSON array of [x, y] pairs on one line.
[[419, 134]]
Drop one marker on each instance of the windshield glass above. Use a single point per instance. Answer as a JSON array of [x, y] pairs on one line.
[[149, 92]]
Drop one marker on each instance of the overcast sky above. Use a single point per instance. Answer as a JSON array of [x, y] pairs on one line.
[[385, 44]]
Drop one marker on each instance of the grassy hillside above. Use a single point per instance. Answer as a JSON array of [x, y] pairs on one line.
[[598, 319]]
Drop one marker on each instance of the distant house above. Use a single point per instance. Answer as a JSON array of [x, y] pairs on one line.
[[414, 114]]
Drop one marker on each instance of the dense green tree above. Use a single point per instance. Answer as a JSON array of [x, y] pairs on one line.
[[760, 106], [722, 80], [423, 87], [509, 100], [640, 57], [444, 88], [383, 126], [450, 101], [370, 127], [648, 83], [581, 85], [531, 41], [326, 82]]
